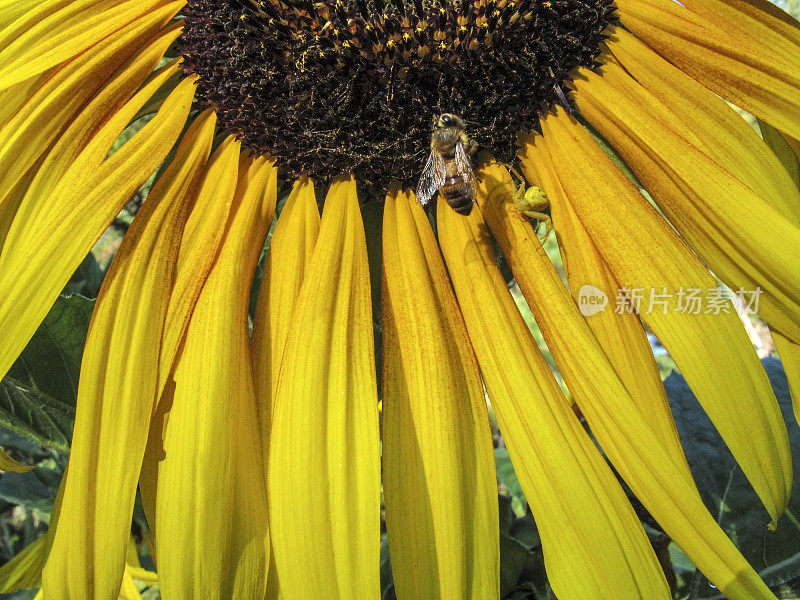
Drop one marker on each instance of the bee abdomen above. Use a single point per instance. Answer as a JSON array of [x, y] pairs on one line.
[[459, 194]]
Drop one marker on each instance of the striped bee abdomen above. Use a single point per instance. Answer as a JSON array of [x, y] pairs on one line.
[[459, 194]]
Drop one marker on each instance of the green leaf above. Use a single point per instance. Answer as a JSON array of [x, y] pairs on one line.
[[729, 496], [39, 417], [387, 581], [522, 573], [38, 395], [34, 490], [23, 595], [86, 280]]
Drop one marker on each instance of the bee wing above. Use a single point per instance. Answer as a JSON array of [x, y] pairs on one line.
[[464, 165], [432, 177]]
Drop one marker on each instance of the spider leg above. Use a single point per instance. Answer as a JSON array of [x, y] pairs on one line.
[[540, 218]]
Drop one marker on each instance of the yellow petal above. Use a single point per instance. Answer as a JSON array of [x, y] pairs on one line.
[[621, 336], [594, 545], [788, 350], [704, 170], [753, 62], [16, 96], [288, 260], [200, 247], [129, 591], [24, 571], [115, 401], [639, 445], [50, 108], [290, 250], [10, 465], [57, 31], [12, 10], [733, 12], [211, 483], [324, 437], [9, 205], [644, 253], [440, 485], [736, 145], [152, 460], [68, 206]]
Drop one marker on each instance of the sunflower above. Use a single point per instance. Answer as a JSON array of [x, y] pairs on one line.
[[616, 109]]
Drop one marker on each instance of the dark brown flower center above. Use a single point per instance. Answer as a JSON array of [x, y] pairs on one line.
[[329, 87]]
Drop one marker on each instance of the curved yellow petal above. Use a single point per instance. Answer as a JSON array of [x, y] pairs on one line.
[[57, 31], [594, 545], [152, 460], [10, 465], [289, 258], [644, 253], [639, 445], [75, 196], [621, 336], [753, 62], [16, 96], [11, 10], [128, 591], [788, 350], [736, 145], [324, 438], [9, 205], [202, 239], [211, 483], [115, 401], [705, 171], [440, 484], [48, 110], [200, 247], [740, 14]]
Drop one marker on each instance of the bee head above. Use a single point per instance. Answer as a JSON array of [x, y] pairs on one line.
[[449, 120]]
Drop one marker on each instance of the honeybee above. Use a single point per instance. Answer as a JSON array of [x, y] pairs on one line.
[[449, 169]]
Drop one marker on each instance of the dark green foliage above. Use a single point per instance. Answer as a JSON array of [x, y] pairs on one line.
[[729, 496], [37, 397]]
